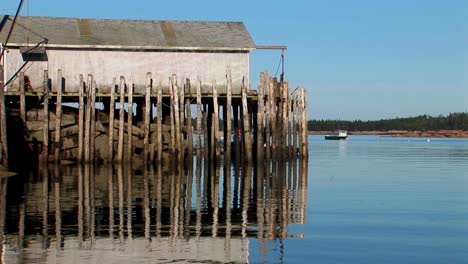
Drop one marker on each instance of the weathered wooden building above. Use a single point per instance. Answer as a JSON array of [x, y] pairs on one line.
[[159, 68], [109, 48]]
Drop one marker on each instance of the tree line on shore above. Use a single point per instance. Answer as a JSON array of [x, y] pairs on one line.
[[453, 121]]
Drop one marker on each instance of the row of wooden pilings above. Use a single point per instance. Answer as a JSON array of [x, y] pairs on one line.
[[272, 120]]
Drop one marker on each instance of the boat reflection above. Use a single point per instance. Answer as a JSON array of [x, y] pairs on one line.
[[106, 214]]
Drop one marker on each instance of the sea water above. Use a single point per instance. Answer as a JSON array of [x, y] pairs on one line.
[[369, 199]]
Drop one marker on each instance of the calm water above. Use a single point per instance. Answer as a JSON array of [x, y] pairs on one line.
[[366, 200]]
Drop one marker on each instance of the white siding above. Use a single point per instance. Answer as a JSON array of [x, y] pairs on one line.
[[105, 65]]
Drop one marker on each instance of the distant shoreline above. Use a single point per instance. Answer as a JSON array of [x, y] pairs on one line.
[[403, 133]]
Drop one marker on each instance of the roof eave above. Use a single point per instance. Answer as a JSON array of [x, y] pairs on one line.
[[141, 48]]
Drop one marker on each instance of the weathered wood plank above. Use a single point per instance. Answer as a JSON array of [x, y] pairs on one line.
[[45, 142], [129, 153], [81, 106], [147, 118], [121, 119], [58, 114], [111, 120]]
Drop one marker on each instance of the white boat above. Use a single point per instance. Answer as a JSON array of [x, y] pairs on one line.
[[340, 135]]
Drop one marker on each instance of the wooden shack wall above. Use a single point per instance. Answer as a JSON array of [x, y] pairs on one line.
[[106, 65]]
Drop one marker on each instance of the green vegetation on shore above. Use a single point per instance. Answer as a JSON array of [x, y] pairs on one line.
[[453, 121]]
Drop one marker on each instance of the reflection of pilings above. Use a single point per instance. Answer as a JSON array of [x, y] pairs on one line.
[[110, 174], [247, 174], [227, 205], [158, 200], [214, 198], [3, 192], [58, 208], [121, 201], [188, 200], [80, 203], [129, 173], [199, 197], [146, 186], [45, 205]]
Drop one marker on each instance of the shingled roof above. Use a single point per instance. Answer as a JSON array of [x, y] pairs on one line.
[[128, 34]]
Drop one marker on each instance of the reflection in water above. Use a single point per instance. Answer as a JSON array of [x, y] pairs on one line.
[[200, 212]]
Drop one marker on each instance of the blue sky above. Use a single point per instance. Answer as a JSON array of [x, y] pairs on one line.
[[360, 59]]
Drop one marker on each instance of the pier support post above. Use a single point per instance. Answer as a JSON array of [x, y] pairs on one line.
[[121, 119], [45, 143], [227, 119], [3, 120], [246, 124], [147, 118], [111, 120], [129, 154], [58, 118]]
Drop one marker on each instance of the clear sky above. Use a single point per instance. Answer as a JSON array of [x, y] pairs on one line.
[[359, 59]]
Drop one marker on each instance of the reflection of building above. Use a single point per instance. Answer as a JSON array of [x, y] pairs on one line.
[[119, 214]]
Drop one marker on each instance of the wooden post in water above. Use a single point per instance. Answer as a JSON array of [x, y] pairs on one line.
[[176, 117], [111, 120], [128, 156], [266, 90], [171, 116], [189, 125], [199, 119], [87, 132], [58, 114], [246, 120], [22, 89], [260, 114], [92, 132], [304, 142], [3, 120], [147, 118], [182, 131], [215, 121], [227, 120], [45, 143], [271, 117], [284, 120], [121, 119], [81, 106], [159, 123]]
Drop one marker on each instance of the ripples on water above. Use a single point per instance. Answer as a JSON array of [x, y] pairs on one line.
[[367, 200], [206, 214]]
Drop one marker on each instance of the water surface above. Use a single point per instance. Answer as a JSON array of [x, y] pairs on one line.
[[367, 200]]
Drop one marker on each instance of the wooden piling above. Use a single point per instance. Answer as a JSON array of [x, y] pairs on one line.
[[260, 114], [171, 116], [22, 89], [266, 90], [58, 116], [81, 110], [45, 143], [199, 119], [87, 130], [121, 119], [189, 125], [159, 123], [111, 120], [128, 156], [271, 116], [3, 119], [92, 132], [228, 114], [215, 121], [284, 119], [246, 121], [304, 132], [176, 114], [147, 118]]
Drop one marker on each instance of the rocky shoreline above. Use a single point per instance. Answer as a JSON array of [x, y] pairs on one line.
[[404, 133]]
